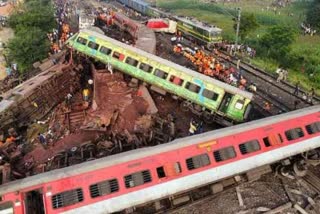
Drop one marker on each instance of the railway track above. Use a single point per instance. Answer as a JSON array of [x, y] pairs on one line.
[[279, 94], [313, 181]]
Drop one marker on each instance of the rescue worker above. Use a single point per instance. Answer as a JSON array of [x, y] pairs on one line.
[[177, 48], [179, 36], [68, 100], [280, 75], [42, 139], [193, 127], [267, 106], [304, 96], [296, 89], [85, 94], [238, 64], [90, 83], [310, 96], [10, 139], [109, 67], [253, 87], [200, 128]]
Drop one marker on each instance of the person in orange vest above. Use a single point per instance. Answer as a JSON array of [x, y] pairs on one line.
[[177, 48], [218, 67], [209, 72], [192, 59], [243, 81], [198, 54], [55, 48], [10, 139]]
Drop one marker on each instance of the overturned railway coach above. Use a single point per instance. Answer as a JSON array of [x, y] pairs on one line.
[[200, 32], [136, 177], [215, 100]]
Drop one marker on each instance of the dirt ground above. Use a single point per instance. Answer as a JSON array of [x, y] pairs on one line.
[[42, 154], [266, 193]]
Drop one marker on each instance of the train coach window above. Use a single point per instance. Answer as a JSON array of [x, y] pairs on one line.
[[145, 67], [249, 146], [224, 154], [67, 198], [293, 134], [198, 161], [169, 170], [239, 104], [106, 51], [93, 45], [272, 140], [313, 128], [82, 41], [118, 55], [210, 94], [6, 208], [176, 80], [192, 87], [160, 73], [104, 188], [137, 179], [161, 173], [132, 61]]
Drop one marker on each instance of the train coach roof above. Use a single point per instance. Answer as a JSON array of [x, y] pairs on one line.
[[226, 87], [140, 2], [4, 104], [148, 152], [195, 22]]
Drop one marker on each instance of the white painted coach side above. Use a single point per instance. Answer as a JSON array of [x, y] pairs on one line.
[[198, 179]]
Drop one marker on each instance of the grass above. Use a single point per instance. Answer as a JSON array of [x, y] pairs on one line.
[[221, 15]]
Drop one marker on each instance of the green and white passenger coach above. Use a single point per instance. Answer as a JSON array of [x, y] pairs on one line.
[[205, 96]]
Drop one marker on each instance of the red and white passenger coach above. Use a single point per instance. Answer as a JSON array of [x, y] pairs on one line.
[[128, 179]]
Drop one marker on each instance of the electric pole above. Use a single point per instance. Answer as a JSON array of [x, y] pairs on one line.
[[238, 27]]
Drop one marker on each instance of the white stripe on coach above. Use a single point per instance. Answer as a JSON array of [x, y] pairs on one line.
[[191, 181]]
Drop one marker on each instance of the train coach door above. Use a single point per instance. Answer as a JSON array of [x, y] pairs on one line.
[[33, 202], [225, 102]]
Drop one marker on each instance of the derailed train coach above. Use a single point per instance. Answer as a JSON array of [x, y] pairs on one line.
[[147, 175], [202, 33], [213, 99], [137, 5]]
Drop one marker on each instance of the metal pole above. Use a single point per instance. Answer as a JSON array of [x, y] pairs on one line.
[[238, 28]]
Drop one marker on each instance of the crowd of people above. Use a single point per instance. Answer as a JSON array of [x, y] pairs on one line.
[[211, 66], [231, 48], [58, 36]]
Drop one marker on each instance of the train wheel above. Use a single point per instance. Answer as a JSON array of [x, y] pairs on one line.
[[300, 168], [185, 106]]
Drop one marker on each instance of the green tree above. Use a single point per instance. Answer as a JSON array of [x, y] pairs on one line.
[[276, 43], [34, 13], [31, 22], [248, 24], [28, 46], [313, 15]]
